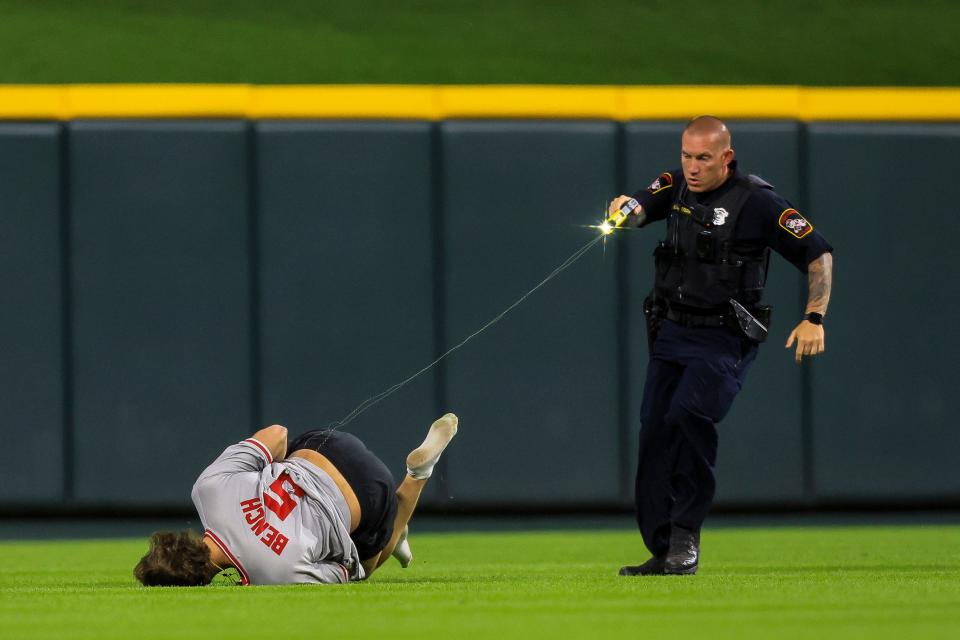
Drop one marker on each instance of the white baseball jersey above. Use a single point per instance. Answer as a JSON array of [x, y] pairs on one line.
[[279, 522]]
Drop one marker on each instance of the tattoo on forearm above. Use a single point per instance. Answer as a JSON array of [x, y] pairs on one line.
[[819, 281]]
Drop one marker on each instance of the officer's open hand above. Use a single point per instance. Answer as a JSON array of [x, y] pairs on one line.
[[809, 339]]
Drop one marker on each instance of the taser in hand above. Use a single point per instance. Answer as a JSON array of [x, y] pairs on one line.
[[618, 217]]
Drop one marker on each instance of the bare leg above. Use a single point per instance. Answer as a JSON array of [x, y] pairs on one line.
[[407, 497], [420, 464]]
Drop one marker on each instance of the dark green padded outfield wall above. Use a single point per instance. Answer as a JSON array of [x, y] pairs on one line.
[[32, 373], [346, 277], [171, 285], [540, 387], [159, 274], [884, 426]]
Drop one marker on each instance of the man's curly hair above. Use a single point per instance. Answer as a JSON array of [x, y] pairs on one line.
[[175, 559]]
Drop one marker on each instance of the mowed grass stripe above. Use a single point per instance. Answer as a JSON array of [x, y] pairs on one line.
[[850, 582], [875, 43]]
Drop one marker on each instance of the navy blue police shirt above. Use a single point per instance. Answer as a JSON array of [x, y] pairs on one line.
[[766, 220]]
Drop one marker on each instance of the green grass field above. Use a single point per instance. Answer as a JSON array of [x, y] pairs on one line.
[[820, 42], [823, 582]]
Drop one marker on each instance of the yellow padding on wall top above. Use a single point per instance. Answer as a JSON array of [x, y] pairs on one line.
[[435, 102]]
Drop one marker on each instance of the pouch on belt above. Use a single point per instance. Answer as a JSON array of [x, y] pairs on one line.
[[750, 327]]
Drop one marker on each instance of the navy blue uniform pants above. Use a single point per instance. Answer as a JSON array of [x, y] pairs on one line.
[[692, 378]]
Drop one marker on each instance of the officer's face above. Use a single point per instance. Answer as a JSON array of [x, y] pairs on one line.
[[706, 160]]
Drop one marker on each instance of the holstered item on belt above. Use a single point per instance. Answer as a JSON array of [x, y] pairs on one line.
[[764, 314], [654, 311], [749, 326]]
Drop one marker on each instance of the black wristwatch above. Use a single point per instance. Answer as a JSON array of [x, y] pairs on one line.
[[814, 318]]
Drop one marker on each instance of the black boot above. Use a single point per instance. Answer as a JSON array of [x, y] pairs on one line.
[[684, 554], [652, 567]]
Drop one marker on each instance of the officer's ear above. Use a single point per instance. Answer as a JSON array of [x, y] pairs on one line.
[[727, 156]]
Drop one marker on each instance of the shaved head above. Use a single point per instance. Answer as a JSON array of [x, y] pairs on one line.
[[709, 126], [705, 153]]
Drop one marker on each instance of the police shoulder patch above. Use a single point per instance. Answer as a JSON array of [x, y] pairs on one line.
[[665, 181], [796, 224]]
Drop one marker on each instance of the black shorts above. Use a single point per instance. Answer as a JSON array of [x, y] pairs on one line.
[[367, 476]]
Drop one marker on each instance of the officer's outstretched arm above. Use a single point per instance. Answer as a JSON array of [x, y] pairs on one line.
[[809, 336]]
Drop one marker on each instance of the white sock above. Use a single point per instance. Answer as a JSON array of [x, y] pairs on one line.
[[403, 554], [402, 551], [421, 460]]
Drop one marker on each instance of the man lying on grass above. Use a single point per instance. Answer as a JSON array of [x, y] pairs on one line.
[[328, 512]]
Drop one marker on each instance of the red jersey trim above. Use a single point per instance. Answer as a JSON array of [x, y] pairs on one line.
[[346, 576], [263, 449], [244, 578]]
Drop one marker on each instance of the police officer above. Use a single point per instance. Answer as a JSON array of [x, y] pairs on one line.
[[705, 320]]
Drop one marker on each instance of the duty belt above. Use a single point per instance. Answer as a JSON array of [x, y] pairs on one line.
[[696, 319]]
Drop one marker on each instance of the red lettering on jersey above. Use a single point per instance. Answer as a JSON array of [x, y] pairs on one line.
[[269, 536], [287, 502], [275, 540], [279, 544], [250, 505], [256, 516], [258, 527]]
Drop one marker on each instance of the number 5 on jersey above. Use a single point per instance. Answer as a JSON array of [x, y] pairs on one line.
[[288, 494]]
